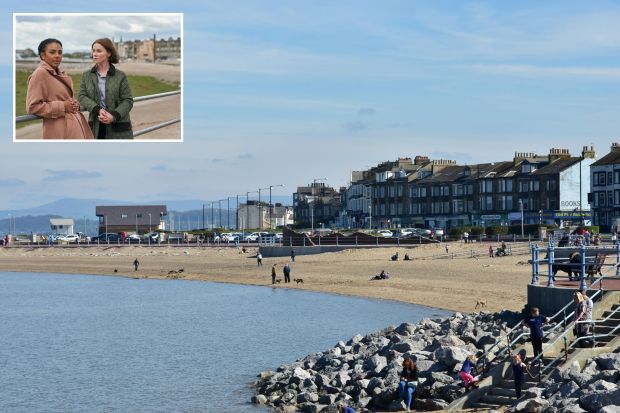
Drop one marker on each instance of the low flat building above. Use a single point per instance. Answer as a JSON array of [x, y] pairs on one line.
[[135, 219]]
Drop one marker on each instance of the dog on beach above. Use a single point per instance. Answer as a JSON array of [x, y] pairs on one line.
[[481, 304], [278, 281], [298, 280]]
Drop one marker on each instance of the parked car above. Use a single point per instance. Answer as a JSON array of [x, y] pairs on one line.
[[153, 237], [253, 237], [106, 237], [229, 237], [385, 233], [278, 237], [133, 239], [406, 232], [72, 238]]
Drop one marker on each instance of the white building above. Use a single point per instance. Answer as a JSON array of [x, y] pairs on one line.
[[62, 225]]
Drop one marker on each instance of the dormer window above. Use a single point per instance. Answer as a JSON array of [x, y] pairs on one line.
[[527, 168]]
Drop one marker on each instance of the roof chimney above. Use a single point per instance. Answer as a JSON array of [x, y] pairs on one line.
[[590, 154]]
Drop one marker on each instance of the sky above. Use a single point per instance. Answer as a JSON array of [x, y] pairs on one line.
[[31, 29], [281, 92]]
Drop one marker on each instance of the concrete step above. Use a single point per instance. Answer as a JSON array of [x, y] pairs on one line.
[[482, 405], [510, 384], [494, 399], [502, 391]]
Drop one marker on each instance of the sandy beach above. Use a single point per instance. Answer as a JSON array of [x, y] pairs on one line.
[[449, 283]]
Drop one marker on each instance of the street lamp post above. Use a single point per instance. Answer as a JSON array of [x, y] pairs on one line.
[[219, 204], [212, 222], [228, 213], [203, 217], [136, 223], [270, 206], [150, 222]]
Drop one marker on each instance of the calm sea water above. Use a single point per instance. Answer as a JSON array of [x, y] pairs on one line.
[[104, 344]]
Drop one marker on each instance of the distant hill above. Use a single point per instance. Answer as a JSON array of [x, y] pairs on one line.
[[182, 214]]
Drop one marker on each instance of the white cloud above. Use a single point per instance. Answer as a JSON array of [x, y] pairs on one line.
[[77, 32]]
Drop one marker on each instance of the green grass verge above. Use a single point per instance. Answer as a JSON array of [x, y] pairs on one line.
[[140, 86]]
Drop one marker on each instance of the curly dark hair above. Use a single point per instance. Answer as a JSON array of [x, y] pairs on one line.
[[408, 364], [44, 43], [109, 46]]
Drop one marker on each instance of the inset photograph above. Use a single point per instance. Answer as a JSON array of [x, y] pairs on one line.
[[98, 77]]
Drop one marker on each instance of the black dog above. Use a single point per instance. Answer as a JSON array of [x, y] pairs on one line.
[[298, 280], [278, 281], [395, 257]]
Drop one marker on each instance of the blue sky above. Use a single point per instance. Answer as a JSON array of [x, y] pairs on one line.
[[284, 92]]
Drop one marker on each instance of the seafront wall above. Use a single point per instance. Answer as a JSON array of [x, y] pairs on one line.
[[277, 251]]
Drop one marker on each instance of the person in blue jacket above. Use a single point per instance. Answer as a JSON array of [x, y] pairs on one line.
[[535, 323]]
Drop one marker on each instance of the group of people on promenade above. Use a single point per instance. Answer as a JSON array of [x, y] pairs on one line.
[[104, 93]]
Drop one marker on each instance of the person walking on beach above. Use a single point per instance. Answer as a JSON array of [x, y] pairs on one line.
[[466, 236], [287, 273], [408, 381], [491, 251], [273, 274], [259, 259], [535, 322], [293, 255], [136, 264]]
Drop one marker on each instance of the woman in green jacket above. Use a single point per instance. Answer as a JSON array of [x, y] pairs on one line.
[[105, 93]]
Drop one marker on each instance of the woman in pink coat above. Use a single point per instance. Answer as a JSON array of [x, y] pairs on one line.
[[50, 96]]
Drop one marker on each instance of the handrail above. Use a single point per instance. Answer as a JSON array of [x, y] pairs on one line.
[[26, 118], [156, 127], [578, 339], [546, 332]]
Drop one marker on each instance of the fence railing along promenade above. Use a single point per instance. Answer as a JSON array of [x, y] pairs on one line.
[[590, 261], [26, 118]]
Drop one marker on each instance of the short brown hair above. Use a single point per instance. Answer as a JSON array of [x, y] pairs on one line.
[[535, 310], [109, 46]]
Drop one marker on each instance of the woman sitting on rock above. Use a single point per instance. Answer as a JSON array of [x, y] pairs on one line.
[[468, 365], [408, 381]]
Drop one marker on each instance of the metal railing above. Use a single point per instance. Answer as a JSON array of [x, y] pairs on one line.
[[545, 369], [563, 311], [26, 118]]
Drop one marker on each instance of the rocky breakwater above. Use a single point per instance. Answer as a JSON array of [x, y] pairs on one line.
[[593, 389], [365, 371]]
